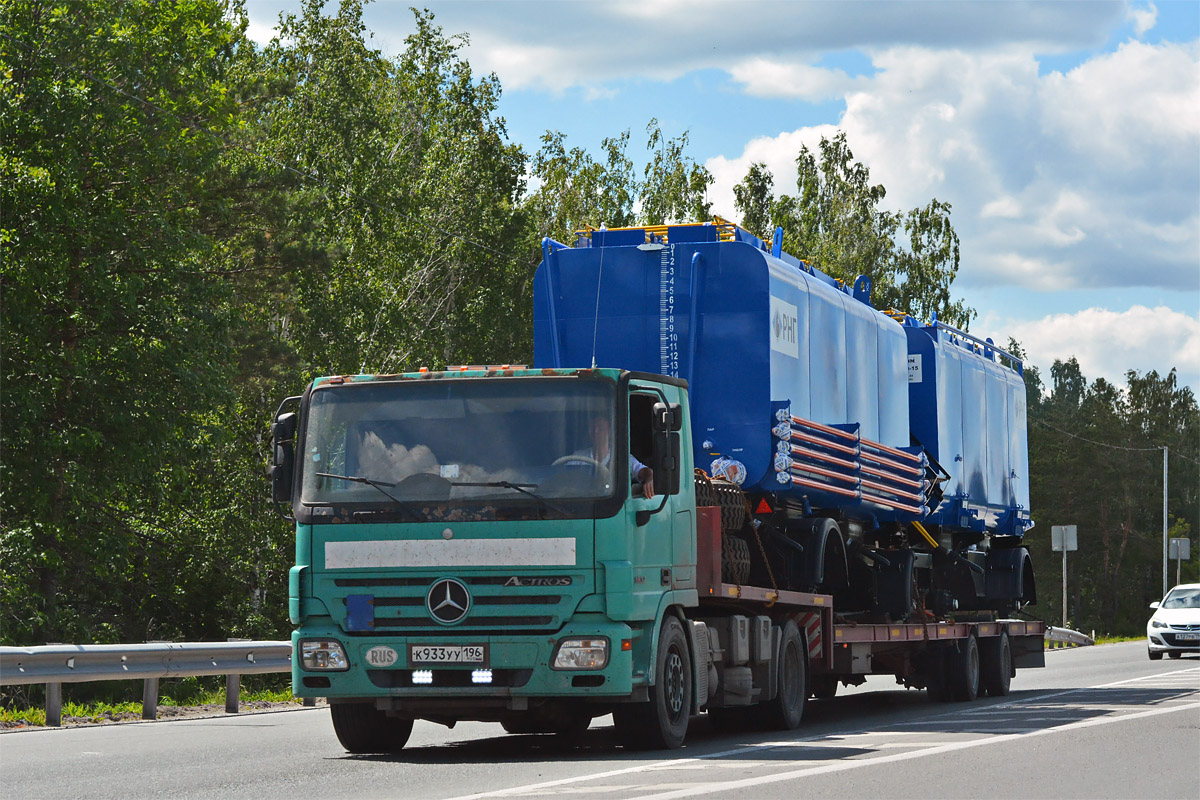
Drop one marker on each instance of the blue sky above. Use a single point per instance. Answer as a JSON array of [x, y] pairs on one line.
[[1066, 136]]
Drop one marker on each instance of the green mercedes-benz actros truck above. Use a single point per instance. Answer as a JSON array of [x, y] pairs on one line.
[[753, 508]]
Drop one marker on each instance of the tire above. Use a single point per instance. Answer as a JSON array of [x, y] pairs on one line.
[[1175, 654], [362, 728], [1154, 656], [995, 665], [735, 559], [823, 687], [963, 677], [662, 723], [784, 711]]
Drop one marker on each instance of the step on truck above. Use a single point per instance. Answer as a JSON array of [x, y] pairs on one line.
[[766, 489]]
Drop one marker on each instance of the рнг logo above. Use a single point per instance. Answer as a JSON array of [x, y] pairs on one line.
[[448, 601]]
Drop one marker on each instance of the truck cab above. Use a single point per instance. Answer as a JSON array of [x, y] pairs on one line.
[[471, 544]]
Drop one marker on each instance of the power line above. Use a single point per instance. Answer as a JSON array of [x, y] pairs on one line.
[[1115, 446]]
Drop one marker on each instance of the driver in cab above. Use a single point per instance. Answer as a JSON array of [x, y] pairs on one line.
[[601, 453]]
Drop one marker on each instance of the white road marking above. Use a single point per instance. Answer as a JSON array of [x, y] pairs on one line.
[[843, 766], [840, 740]]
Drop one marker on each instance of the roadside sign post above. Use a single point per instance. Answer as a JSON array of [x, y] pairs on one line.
[[1064, 538], [1180, 550]]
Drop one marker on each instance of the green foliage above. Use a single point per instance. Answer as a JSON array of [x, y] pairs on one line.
[[834, 221], [1096, 462], [576, 191], [194, 226], [115, 329], [675, 187]]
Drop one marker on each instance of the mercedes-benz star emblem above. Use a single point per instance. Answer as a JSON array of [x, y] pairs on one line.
[[448, 601]]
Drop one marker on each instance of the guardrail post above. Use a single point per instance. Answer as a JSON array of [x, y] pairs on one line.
[[150, 698], [233, 686], [54, 704]]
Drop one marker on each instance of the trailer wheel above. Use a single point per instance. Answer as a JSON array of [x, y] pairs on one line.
[[662, 723], [995, 665], [362, 728], [963, 666], [786, 709]]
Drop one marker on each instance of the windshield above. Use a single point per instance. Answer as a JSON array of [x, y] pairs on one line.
[[1182, 598], [460, 440]]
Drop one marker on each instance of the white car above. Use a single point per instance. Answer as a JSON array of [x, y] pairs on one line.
[[1175, 626]]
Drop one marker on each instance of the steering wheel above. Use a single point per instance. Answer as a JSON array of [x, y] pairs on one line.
[[573, 459]]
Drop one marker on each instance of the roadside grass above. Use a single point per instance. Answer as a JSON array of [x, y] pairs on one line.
[[27, 708], [1108, 638]]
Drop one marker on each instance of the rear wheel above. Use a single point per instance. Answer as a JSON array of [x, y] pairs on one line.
[[996, 665], [786, 709], [362, 728], [963, 665], [662, 723]]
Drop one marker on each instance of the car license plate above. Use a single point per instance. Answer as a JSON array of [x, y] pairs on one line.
[[1188, 637], [448, 654]]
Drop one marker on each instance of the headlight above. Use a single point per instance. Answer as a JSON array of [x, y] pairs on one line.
[[581, 654], [1156, 624], [323, 654]]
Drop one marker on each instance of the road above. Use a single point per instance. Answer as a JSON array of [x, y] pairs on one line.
[[1098, 722]]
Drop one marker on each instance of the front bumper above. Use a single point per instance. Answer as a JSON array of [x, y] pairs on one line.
[[519, 666], [1166, 640]]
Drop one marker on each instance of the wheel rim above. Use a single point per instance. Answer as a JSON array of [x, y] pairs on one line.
[[674, 683]]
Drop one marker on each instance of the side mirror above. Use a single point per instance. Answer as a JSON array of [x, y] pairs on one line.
[[666, 462], [668, 416], [283, 457], [1155, 604]]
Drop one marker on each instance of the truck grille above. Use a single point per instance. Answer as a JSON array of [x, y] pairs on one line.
[[508, 603]]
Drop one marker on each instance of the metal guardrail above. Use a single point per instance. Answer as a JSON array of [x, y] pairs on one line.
[[56, 664], [1065, 637]]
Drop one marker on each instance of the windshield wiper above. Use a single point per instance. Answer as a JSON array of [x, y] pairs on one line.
[[376, 485], [523, 488]]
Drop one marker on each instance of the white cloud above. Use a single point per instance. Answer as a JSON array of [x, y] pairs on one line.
[[1143, 18], [1004, 206], [1107, 342], [767, 78], [1057, 181], [586, 44]]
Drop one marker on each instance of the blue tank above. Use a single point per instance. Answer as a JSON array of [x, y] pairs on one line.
[[967, 403], [791, 373]]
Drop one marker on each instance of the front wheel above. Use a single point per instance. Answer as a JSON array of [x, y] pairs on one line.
[[1155, 655], [362, 728], [662, 723], [786, 709]]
